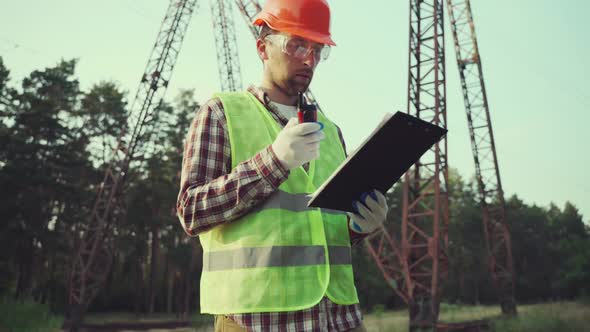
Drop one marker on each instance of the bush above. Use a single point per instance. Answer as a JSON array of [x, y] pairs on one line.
[[27, 316], [584, 297], [202, 320]]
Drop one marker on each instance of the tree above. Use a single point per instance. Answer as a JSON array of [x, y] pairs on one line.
[[105, 119], [571, 242], [45, 161], [8, 208]]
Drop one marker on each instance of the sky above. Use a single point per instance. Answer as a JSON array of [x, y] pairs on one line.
[[535, 66]]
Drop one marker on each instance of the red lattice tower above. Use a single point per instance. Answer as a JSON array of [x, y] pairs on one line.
[[487, 173], [93, 252], [415, 264], [414, 259]]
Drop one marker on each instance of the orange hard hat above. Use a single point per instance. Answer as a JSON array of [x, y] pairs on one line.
[[309, 19]]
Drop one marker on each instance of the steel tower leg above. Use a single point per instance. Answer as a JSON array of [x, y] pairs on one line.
[[496, 230], [425, 213]]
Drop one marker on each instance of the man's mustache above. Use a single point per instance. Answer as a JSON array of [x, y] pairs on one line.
[[307, 72]]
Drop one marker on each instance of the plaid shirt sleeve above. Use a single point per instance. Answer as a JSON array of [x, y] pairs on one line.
[[211, 192]]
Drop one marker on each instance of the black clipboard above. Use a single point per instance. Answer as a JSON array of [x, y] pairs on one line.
[[394, 146]]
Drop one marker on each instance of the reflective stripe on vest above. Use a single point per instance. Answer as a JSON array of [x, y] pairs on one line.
[[291, 202], [244, 258]]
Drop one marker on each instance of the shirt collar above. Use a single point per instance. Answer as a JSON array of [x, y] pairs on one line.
[[259, 94], [265, 100]]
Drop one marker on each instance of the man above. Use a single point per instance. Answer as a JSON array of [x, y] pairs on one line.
[[269, 262]]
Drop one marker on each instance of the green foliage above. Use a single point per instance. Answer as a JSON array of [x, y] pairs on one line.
[[55, 141], [43, 177], [27, 315], [550, 249], [369, 281], [104, 113]]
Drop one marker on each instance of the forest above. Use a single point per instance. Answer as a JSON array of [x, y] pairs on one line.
[[56, 140]]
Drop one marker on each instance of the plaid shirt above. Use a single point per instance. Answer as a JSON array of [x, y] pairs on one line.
[[211, 193]]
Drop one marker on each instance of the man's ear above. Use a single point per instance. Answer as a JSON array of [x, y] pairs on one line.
[[261, 49]]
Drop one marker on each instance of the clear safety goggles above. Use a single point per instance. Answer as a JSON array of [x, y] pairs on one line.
[[300, 48]]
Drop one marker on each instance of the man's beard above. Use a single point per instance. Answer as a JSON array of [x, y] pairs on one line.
[[293, 87]]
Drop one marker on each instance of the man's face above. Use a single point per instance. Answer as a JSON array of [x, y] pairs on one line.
[[287, 63]]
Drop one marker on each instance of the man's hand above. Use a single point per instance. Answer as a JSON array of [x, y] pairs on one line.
[[371, 214], [298, 144]]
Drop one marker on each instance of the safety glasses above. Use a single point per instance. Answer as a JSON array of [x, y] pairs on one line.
[[299, 48]]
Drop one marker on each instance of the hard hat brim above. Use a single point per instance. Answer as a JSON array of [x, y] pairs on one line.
[[295, 30]]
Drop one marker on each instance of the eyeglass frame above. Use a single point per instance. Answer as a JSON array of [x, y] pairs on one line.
[[319, 55]]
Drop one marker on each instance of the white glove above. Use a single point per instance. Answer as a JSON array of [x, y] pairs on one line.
[[371, 214], [298, 144]]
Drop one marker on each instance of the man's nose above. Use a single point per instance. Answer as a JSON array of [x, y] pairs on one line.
[[311, 60]]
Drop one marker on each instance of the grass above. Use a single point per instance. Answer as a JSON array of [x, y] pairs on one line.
[[544, 317], [197, 321], [453, 313], [27, 316], [118, 317], [558, 316]]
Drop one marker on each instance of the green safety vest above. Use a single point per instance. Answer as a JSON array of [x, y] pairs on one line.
[[283, 255]]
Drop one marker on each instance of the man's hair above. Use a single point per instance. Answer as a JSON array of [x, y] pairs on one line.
[[265, 30]]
